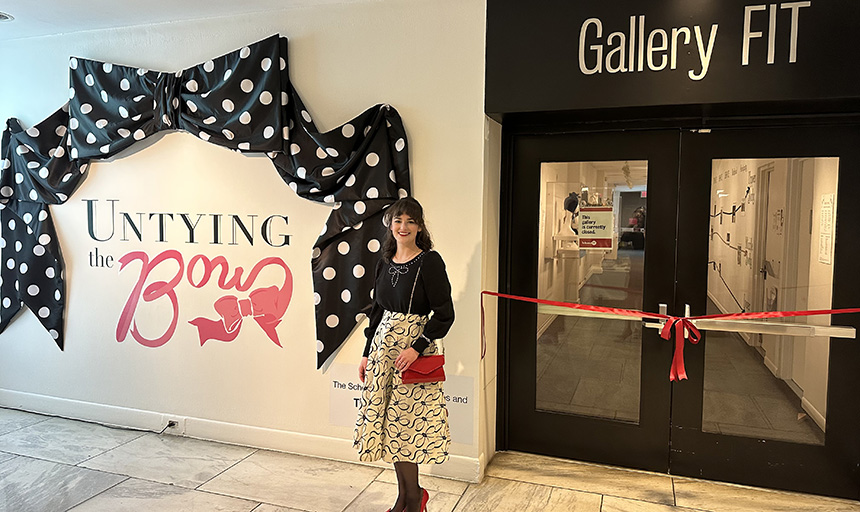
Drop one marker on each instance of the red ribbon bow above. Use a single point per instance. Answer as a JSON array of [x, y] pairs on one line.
[[265, 305], [684, 328]]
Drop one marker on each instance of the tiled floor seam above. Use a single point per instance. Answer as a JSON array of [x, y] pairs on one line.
[[601, 494], [142, 433], [255, 450], [259, 503], [129, 477], [656, 503], [362, 491], [26, 426], [761, 411], [63, 463], [100, 493], [457, 504], [265, 503], [674, 495]]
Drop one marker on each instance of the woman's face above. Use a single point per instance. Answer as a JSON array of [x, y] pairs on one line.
[[405, 229]]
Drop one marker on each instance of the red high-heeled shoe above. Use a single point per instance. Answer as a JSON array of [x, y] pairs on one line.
[[424, 499]]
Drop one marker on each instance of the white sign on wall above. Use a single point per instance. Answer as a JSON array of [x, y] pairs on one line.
[[825, 235], [345, 396], [595, 227]]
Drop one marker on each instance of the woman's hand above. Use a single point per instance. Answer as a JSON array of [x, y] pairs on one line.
[[405, 359], [362, 368]]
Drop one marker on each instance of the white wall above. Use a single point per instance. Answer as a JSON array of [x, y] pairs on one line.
[[490, 281], [733, 178], [814, 280], [426, 58], [813, 354], [551, 277]]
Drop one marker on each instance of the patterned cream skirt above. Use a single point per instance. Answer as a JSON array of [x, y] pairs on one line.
[[400, 422]]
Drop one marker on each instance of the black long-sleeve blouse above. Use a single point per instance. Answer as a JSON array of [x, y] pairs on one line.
[[393, 287]]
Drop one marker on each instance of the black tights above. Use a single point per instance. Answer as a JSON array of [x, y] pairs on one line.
[[409, 494]]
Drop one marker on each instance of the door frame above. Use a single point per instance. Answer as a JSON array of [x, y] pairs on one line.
[[643, 445], [842, 420], [831, 469]]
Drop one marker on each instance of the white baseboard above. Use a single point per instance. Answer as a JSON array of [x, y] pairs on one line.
[[592, 270], [718, 304], [746, 336], [794, 387], [774, 369], [110, 415], [458, 467], [543, 326], [816, 416]]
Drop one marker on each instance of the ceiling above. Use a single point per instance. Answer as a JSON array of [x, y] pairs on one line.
[[34, 18], [613, 172]]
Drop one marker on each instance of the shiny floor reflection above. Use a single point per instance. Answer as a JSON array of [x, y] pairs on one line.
[[743, 398], [591, 366]]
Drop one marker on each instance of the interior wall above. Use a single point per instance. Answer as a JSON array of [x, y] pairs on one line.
[[426, 58], [590, 262], [551, 276], [728, 188], [814, 282], [816, 351]]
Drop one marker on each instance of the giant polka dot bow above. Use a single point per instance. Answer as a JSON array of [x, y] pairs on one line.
[[227, 101], [35, 171], [242, 100], [359, 168]]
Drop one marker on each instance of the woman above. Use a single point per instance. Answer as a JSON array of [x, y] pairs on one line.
[[406, 424]]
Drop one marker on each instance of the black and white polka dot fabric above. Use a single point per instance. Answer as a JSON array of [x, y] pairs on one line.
[[243, 101], [359, 168], [35, 171], [232, 101]]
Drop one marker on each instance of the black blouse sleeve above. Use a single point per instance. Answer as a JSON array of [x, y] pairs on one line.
[[434, 278], [376, 312]]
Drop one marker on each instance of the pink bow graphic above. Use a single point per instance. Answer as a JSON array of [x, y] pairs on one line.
[[265, 305]]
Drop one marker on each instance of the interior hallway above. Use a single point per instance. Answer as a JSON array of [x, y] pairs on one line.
[[52, 464]]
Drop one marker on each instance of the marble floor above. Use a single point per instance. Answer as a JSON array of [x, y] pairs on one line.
[[52, 464]]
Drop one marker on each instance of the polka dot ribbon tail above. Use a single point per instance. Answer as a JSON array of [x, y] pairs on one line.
[[243, 101]]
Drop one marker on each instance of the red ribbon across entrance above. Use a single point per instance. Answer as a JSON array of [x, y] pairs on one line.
[[683, 325]]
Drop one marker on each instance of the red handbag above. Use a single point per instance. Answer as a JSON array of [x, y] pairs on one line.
[[425, 369]]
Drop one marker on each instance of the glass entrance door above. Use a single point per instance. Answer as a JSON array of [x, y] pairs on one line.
[[601, 232], [597, 218], [765, 225]]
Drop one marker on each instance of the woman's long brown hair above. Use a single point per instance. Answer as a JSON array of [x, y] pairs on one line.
[[411, 207]]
